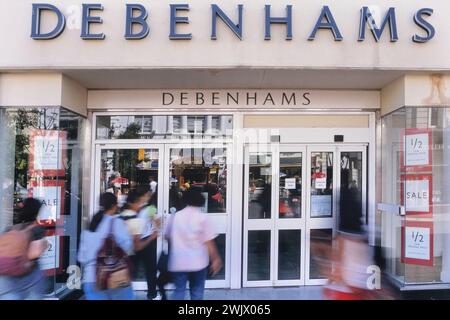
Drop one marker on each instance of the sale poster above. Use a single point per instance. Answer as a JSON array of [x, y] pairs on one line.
[[417, 243], [290, 184], [320, 180], [51, 194], [417, 150], [417, 194], [47, 152]]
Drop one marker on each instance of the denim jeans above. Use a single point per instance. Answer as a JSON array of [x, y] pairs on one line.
[[196, 284], [92, 293], [27, 287]]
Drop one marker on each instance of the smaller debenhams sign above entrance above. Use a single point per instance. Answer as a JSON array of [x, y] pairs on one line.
[[137, 23], [234, 99]]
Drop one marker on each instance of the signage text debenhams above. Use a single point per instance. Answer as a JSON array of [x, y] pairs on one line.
[[137, 22], [230, 98]]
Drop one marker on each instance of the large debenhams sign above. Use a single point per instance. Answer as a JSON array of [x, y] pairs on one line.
[[137, 24]]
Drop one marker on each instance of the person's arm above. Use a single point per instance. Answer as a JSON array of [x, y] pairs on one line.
[[214, 257], [37, 248], [140, 244]]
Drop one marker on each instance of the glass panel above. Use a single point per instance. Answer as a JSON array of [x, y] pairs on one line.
[[289, 254], [41, 157], [321, 184], [351, 210], [258, 255], [221, 247], [125, 169], [204, 169], [320, 254], [260, 186], [290, 185], [163, 127]]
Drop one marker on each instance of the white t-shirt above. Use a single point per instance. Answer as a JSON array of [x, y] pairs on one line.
[[135, 225], [189, 230], [153, 185], [148, 214]]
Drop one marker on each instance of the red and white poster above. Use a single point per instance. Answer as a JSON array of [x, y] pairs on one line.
[[51, 260], [416, 154], [417, 243], [51, 194], [48, 154], [417, 194]]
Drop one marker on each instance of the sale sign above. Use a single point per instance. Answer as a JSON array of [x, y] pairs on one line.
[[47, 152], [417, 243], [417, 194], [51, 193], [417, 152]]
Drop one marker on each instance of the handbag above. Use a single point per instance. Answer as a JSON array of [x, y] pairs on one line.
[[113, 264]]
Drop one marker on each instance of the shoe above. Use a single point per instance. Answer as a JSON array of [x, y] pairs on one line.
[[158, 297]]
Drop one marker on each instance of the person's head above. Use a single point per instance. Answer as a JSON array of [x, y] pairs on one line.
[[151, 179], [194, 198], [135, 201], [108, 202], [144, 191], [30, 209], [109, 205]]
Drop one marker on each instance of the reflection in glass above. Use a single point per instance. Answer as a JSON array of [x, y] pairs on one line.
[[289, 254], [350, 211], [258, 255], [321, 184], [260, 186], [41, 156], [320, 253], [125, 169], [163, 127], [204, 169], [290, 185], [221, 248]]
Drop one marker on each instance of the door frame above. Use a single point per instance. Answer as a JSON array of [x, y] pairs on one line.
[[306, 223], [163, 193]]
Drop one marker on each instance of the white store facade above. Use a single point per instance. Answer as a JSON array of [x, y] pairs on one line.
[[273, 109]]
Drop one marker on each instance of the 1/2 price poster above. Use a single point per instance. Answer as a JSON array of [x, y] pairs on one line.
[[417, 243], [416, 154], [48, 154]]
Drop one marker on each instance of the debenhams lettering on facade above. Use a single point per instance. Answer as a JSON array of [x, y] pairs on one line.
[[137, 24]]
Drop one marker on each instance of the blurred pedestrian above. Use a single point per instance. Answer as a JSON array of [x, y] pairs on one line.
[[20, 248], [192, 247], [104, 226], [148, 255]]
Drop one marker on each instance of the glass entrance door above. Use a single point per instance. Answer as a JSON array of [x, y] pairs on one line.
[[170, 169], [292, 203], [121, 168], [206, 168]]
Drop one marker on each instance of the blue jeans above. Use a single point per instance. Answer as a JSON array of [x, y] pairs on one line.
[[92, 293], [196, 284], [27, 287]]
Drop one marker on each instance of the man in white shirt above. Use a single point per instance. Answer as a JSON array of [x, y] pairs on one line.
[[153, 184]]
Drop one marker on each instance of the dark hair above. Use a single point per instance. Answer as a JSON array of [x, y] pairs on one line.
[[30, 209], [143, 189], [107, 202], [193, 197], [133, 196]]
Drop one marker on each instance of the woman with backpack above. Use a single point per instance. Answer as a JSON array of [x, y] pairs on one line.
[[107, 237], [20, 248]]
